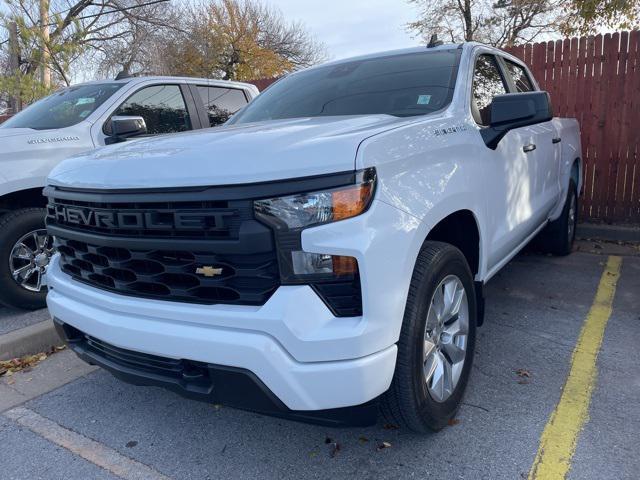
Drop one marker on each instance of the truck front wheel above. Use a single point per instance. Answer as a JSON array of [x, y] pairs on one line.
[[436, 344], [25, 251]]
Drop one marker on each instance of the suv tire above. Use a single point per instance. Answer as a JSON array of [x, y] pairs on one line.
[[415, 399]]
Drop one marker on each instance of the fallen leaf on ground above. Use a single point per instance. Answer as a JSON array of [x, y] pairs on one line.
[[362, 439], [384, 445], [521, 372], [453, 421], [334, 448], [9, 367], [390, 426], [131, 444]]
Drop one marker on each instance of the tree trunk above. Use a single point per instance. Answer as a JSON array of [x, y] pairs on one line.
[[45, 71], [468, 21], [14, 66]]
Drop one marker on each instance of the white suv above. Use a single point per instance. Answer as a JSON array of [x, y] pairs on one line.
[[324, 252], [74, 120]]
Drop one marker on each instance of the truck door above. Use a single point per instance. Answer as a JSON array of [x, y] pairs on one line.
[[510, 170], [543, 150]]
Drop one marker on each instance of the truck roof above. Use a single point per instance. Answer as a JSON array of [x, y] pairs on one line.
[[423, 48], [209, 81]]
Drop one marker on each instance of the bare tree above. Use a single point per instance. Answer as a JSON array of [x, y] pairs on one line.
[[86, 30], [497, 22]]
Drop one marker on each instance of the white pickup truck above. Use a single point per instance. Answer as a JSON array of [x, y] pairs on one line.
[[74, 120], [323, 254]]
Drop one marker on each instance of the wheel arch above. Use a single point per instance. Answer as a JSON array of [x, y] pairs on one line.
[[460, 229], [576, 173], [26, 198]]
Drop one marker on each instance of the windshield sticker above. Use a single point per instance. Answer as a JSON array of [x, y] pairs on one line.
[[53, 140], [84, 101], [424, 99]]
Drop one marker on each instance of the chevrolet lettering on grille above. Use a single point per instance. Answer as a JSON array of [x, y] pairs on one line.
[[128, 220]]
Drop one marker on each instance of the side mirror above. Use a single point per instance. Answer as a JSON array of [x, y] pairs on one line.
[[515, 110], [123, 127]]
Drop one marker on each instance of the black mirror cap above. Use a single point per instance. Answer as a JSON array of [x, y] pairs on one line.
[[128, 126], [516, 110]]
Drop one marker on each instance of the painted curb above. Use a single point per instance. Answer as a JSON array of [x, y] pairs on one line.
[[29, 340]]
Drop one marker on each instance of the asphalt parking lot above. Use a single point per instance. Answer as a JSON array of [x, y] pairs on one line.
[[536, 308]]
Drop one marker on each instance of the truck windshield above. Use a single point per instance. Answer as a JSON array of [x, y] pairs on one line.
[[64, 108], [401, 85]]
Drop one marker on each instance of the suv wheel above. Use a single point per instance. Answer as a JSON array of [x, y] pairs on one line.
[[437, 341], [25, 252]]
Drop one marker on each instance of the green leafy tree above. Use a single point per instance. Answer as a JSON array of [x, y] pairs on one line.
[[586, 16]]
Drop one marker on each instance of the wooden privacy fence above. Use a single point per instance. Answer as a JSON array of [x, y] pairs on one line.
[[596, 79]]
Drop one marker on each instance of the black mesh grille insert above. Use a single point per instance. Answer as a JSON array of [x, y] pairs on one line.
[[247, 279]]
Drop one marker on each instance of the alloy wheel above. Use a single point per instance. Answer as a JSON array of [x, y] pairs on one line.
[[572, 218], [29, 259], [445, 338]]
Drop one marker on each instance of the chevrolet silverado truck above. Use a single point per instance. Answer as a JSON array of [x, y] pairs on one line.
[[74, 120], [322, 255]]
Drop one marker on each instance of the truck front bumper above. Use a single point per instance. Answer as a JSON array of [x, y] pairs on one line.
[[231, 386], [245, 368]]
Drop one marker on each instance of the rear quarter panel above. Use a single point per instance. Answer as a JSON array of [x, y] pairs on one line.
[[571, 150]]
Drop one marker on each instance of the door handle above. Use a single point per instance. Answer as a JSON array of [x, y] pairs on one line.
[[556, 140], [529, 148]]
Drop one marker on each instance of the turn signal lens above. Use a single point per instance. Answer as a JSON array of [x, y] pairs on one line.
[[352, 201]]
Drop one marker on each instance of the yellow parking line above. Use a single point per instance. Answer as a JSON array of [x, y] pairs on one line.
[[558, 440]]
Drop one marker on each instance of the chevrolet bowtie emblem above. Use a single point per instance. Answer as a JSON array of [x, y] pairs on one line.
[[208, 271]]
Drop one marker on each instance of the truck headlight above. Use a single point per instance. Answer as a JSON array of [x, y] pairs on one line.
[[289, 215], [306, 209]]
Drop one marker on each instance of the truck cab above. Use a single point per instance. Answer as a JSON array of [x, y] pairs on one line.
[[74, 120]]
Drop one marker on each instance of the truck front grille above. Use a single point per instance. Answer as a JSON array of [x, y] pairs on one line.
[[166, 250]]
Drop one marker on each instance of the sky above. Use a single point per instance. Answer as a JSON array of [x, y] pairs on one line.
[[353, 27]]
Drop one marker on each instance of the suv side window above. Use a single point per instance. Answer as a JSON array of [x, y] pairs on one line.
[[220, 103], [520, 77], [487, 83], [162, 107]]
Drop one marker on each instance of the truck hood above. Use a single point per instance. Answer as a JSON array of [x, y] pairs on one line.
[[26, 142], [226, 155]]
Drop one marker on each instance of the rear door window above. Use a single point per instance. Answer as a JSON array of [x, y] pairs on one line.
[[520, 77], [162, 107], [220, 103]]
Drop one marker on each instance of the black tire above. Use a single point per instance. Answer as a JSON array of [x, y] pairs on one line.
[[13, 226], [557, 237], [408, 403]]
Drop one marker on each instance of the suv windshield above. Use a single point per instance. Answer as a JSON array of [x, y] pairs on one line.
[[401, 85], [64, 108]]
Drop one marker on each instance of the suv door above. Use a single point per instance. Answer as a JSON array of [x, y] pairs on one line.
[[510, 171], [219, 103], [165, 108]]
